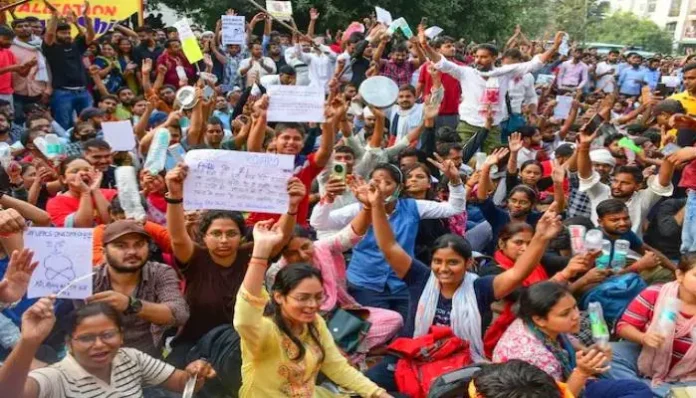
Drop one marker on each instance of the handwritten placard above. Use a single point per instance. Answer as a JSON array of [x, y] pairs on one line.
[[563, 105], [64, 254], [295, 103], [232, 180], [233, 30]]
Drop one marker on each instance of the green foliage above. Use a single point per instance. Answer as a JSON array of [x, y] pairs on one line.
[[627, 28], [569, 15]]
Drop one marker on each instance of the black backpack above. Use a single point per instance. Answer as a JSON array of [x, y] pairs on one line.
[[453, 384], [221, 347]]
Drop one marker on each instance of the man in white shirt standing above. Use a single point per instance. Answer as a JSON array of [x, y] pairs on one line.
[[321, 62], [256, 66], [606, 72], [521, 95], [484, 86]]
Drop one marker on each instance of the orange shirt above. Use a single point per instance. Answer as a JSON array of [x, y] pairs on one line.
[[158, 233]]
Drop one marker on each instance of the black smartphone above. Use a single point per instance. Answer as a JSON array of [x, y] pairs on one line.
[[594, 124], [661, 90]]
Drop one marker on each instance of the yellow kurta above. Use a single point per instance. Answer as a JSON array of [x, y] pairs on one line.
[[268, 371]]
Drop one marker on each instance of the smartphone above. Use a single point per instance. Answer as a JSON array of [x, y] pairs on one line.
[[661, 90], [181, 73], [339, 169], [424, 21], [594, 124]]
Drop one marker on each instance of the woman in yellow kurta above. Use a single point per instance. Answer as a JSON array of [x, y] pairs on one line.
[[283, 352]]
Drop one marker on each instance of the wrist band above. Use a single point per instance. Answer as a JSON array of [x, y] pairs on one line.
[[173, 201], [292, 214]]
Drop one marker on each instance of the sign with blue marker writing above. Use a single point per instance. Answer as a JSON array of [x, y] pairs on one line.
[[65, 260], [243, 181]]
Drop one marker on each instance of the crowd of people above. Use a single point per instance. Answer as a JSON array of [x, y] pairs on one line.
[[456, 216]]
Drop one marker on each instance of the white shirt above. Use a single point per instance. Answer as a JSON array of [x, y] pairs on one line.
[[522, 92], [257, 69], [321, 66], [473, 85], [606, 83], [408, 120], [325, 218], [348, 75], [301, 67], [638, 205]]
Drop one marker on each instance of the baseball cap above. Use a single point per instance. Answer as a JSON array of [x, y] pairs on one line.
[[120, 228]]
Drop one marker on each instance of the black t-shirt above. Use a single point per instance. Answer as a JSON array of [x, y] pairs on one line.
[[141, 52], [65, 62]]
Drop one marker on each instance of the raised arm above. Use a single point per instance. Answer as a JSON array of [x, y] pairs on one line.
[[30, 212], [485, 184], [182, 245], [547, 228], [89, 26], [50, 35], [584, 162], [258, 128], [515, 145], [395, 255], [336, 110], [313, 17]]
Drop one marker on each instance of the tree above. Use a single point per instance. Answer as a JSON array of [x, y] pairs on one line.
[[473, 20], [569, 16], [629, 29]]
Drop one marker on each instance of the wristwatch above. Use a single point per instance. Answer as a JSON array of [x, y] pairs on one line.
[[134, 306]]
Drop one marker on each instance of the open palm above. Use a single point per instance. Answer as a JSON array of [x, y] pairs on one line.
[[18, 275]]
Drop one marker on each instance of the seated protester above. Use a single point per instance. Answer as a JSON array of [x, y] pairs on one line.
[[84, 203], [146, 292], [289, 141], [418, 184], [547, 314], [104, 368], [332, 185], [662, 359], [371, 281], [326, 254], [665, 227], [158, 233], [292, 342], [663, 111], [213, 268], [82, 132], [109, 104], [524, 145], [579, 204], [513, 240], [521, 199], [170, 122], [6, 135], [615, 222], [446, 293], [109, 67], [95, 116], [625, 185], [154, 190], [501, 379], [286, 77], [39, 184], [98, 153], [214, 135]]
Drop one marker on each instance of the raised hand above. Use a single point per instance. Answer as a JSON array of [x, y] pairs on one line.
[[375, 196], [175, 181], [267, 234], [550, 223], [296, 191], [38, 321], [447, 167], [96, 177], [313, 14], [515, 142], [360, 190], [16, 281], [495, 157], [559, 172]]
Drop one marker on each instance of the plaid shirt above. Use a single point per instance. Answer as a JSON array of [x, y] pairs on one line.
[[579, 204], [401, 74], [232, 78], [158, 284]]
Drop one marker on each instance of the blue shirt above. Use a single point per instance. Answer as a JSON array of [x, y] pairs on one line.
[[631, 80], [652, 77], [368, 269], [499, 217], [417, 277]]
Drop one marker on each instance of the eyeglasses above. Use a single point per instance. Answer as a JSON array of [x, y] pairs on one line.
[[309, 300], [219, 234], [106, 337]]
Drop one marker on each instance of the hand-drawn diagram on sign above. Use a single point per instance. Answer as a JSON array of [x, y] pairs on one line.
[[64, 254], [232, 180]]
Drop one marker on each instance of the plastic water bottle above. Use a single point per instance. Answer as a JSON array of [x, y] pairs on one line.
[[53, 146], [577, 238], [5, 154], [157, 156], [593, 240], [40, 144], [128, 192], [621, 247], [600, 331], [667, 320], [603, 260]]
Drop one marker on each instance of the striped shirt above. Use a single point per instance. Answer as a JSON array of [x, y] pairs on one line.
[[639, 314], [130, 370]]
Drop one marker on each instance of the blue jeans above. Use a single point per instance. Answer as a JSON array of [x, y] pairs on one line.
[[395, 301], [689, 227], [624, 365], [65, 103]]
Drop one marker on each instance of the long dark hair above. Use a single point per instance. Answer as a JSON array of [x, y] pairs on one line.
[[93, 309], [286, 281], [430, 194], [457, 243]]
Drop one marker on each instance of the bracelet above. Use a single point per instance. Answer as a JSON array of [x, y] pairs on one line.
[[172, 201], [292, 214], [254, 259]]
